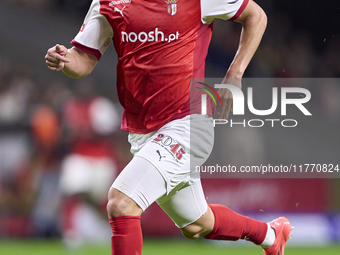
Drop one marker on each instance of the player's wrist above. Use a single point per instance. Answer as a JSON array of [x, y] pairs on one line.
[[232, 73]]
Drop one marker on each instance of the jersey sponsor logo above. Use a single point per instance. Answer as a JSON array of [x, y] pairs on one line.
[[119, 2], [151, 36], [170, 145], [120, 11], [172, 7], [238, 105]]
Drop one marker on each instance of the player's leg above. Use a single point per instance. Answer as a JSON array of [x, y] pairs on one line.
[[188, 209], [201, 227], [190, 212], [229, 225], [124, 217], [152, 173], [232, 226], [137, 187], [217, 221]]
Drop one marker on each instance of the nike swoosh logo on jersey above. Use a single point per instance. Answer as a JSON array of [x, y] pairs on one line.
[[233, 2]]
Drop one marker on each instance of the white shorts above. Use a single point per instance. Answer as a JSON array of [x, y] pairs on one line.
[[163, 168], [83, 174]]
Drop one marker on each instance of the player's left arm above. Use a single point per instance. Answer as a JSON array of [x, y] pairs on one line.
[[254, 22]]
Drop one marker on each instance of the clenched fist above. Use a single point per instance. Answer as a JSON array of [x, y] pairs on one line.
[[56, 57]]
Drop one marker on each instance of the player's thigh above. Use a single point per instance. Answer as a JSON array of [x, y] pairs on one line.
[[185, 205], [141, 181]]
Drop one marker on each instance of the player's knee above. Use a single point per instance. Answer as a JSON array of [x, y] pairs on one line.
[[192, 231], [200, 228], [190, 235], [121, 205]]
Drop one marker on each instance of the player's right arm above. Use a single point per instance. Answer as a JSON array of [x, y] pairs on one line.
[[89, 44], [74, 62]]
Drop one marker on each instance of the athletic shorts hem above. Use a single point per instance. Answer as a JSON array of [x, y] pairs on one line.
[[187, 224], [133, 196]]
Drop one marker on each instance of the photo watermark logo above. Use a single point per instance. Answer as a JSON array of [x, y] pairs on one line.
[[238, 105]]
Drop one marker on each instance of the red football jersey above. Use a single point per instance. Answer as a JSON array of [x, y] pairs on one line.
[[161, 45]]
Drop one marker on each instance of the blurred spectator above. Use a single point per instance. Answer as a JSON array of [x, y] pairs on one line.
[[90, 167], [14, 95], [15, 184], [47, 154]]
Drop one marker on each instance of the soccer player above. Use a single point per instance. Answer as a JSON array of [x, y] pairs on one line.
[[161, 45], [90, 121]]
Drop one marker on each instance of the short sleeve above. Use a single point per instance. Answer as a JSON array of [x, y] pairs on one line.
[[221, 9], [95, 34]]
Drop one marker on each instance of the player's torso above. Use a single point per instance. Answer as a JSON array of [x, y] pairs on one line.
[[156, 42]]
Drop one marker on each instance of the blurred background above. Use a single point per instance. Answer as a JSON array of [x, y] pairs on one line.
[[48, 126]]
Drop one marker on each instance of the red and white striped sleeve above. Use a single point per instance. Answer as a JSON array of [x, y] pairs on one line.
[[95, 34], [221, 9]]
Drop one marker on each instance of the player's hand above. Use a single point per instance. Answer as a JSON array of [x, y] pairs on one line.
[[56, 57], [227, 97]]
